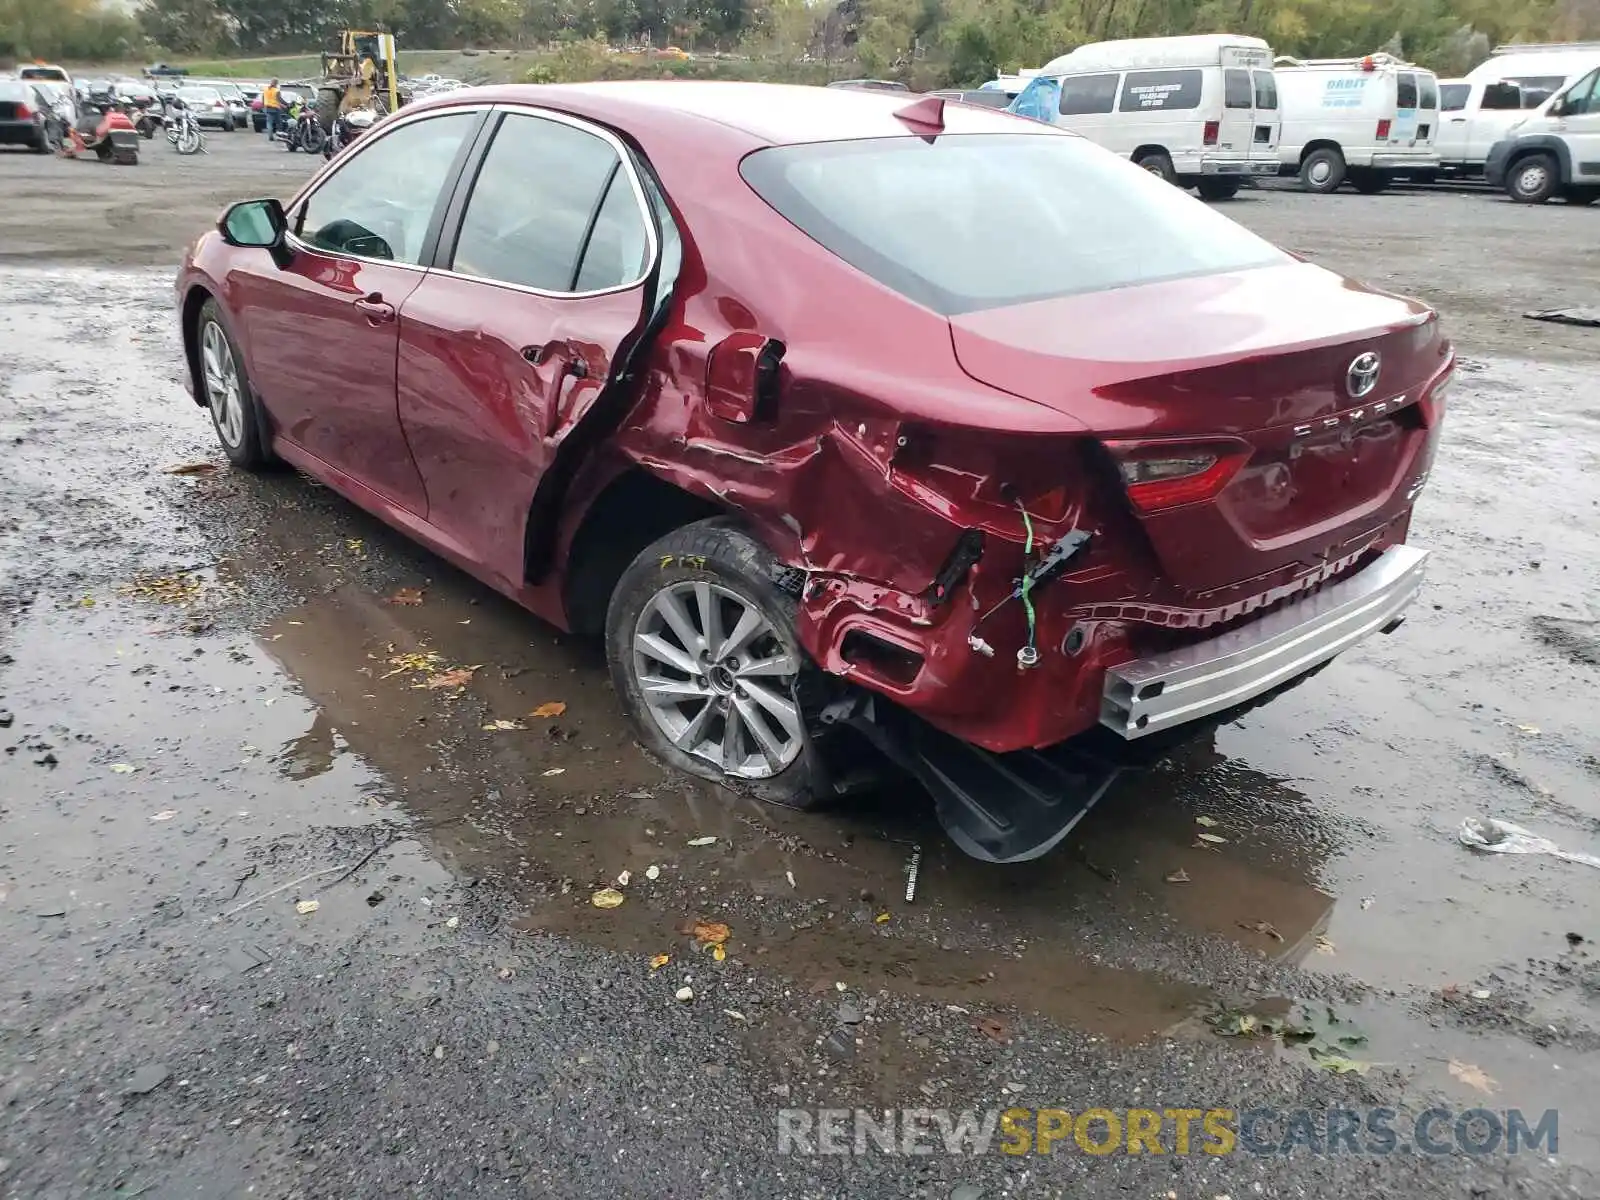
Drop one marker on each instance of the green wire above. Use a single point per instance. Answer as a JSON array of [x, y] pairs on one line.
[[1027, 581]]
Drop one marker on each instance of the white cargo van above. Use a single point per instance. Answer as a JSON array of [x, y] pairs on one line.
[[1507, 87], [1365, 120], [1554, 152], [1199, 111]]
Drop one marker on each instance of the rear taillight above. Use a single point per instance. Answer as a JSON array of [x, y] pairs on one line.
[[1383, 131], [24, 113], [1162, 475], [1213, 131]]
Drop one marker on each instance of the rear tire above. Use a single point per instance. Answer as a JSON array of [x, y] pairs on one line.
[[1218, 189], [1581, 197], [1533, 179], [682, 689], [1157, 162], [1322, 171], [1369, 182]]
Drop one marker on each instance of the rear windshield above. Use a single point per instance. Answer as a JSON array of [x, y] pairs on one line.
[[1429, 88], [1405, 91], [979, 221], [12, 91], [1266, 89], [1453, 96], [1237, 90], [55, 74]]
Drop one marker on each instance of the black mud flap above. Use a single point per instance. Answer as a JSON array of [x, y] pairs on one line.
[[1001, 808]]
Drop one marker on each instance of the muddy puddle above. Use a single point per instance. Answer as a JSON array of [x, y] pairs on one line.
[[325, 679]]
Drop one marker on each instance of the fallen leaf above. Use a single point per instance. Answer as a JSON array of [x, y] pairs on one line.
[[1340, 1065], [413, 663], [606, 898], [194, 468], [87, 602], [165, 814], [123, 769], [735, 1014], [1208, 822], [652, 872], [1179, 876], [660, 961], [1262, 927], [554, 771], [553, 708], [1473, 1076], [718, 953], [307, 906], [455, 677], [993, 1028], [702, 841], [410, 597], [1325, 944], [880, 919], [707, 933], [1214, 839], [503, 725]]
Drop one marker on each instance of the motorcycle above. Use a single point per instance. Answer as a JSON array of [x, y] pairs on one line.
[[348, 128], [148, 118], [104, 127], [304, 131], [183, 130]]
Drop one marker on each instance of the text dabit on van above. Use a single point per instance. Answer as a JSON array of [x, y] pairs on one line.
[[1199, 111], [1362, 121], [1507, 88]]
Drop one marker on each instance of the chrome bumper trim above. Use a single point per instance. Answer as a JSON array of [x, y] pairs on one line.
[[1152, 694]]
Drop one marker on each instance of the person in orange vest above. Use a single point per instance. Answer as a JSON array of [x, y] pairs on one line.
[[271, 107]]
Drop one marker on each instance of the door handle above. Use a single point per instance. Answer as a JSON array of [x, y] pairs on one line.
[[376, 309], [1458, 120]]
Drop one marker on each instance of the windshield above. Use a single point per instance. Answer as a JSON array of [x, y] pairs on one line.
[[980, 221]]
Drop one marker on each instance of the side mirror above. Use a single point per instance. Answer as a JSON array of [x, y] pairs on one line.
[[258, 223]]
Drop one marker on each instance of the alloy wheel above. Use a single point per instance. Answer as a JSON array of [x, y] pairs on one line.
[[223, 394], [717, 679]]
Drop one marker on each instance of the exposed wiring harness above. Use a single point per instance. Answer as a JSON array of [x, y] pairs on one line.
[[1029, 654], [1049, 565]]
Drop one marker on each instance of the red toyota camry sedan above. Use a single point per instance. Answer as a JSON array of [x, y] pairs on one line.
[[865, 430]]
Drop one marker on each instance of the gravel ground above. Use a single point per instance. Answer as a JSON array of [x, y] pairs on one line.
[[208, 717]]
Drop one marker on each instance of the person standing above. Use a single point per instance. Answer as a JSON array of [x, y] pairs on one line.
[[271, 108]]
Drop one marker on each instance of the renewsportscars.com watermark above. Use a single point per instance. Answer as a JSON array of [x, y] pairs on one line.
[[1181, 1131]]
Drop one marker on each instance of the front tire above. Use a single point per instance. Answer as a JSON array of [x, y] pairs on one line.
[[1533, 179], [226, 390], [1322, 171], [1157, 162], [703, 654], [1218, 189]]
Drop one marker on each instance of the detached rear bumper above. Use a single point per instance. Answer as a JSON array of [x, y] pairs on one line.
[[1153, 694]]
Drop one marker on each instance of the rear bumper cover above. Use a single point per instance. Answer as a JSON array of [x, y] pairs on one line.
[[1405, 160], [1154, 694], [1238, 166]]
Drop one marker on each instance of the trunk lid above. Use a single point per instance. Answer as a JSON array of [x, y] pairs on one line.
[[1262, 356]]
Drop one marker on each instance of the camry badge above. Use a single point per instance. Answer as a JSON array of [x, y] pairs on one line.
[[1362, 375]]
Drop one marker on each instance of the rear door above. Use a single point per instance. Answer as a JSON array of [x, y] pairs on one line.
[[1269, 126], [539, 280], [1403, 131], [1238, 129], [1427, 109]]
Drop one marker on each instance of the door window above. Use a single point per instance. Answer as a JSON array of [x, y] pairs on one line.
[[1237, 91], [1266, 89], [1453, 96], [1161, 91], [552, 209], [1583, 98], [1428, 87], [1082, 95], [378, 204], [1405, 86]]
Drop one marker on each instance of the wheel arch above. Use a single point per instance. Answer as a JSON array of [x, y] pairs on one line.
[[1316, 144], [189, 323], [1151, 148], [1542, 144]]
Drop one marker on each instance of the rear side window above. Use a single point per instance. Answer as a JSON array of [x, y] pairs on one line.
[[1428, 89], [1237, 91], [1501, 97], [1161, 90], [1405, 90], [1266, 89], [1453, 96], [545, 186], [928, 222], [1084, 94]]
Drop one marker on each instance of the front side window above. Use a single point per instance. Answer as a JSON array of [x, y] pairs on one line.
[[1453, 96], [1161, 91], [548, 189], [1237, 90], [379, 203], [1083, 95], [1584, 96], [927, 221], [1405, 90], [1266, 89]]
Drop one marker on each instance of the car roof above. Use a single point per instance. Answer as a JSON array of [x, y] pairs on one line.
[[775, 113]]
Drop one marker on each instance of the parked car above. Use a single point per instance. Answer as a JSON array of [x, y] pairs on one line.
[[209, 106], [164, 71], [28, 117], [1504, 90], [1201, 111], [983, 97], [1366, 121], [870, 85], [233, 95], [1554, 152], [941, 497]]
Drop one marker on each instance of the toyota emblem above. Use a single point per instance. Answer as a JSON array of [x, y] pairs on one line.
[[1362, 376]]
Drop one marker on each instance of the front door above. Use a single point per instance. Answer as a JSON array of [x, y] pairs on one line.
[[507, 344], [323, 331], [1579, 126]]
